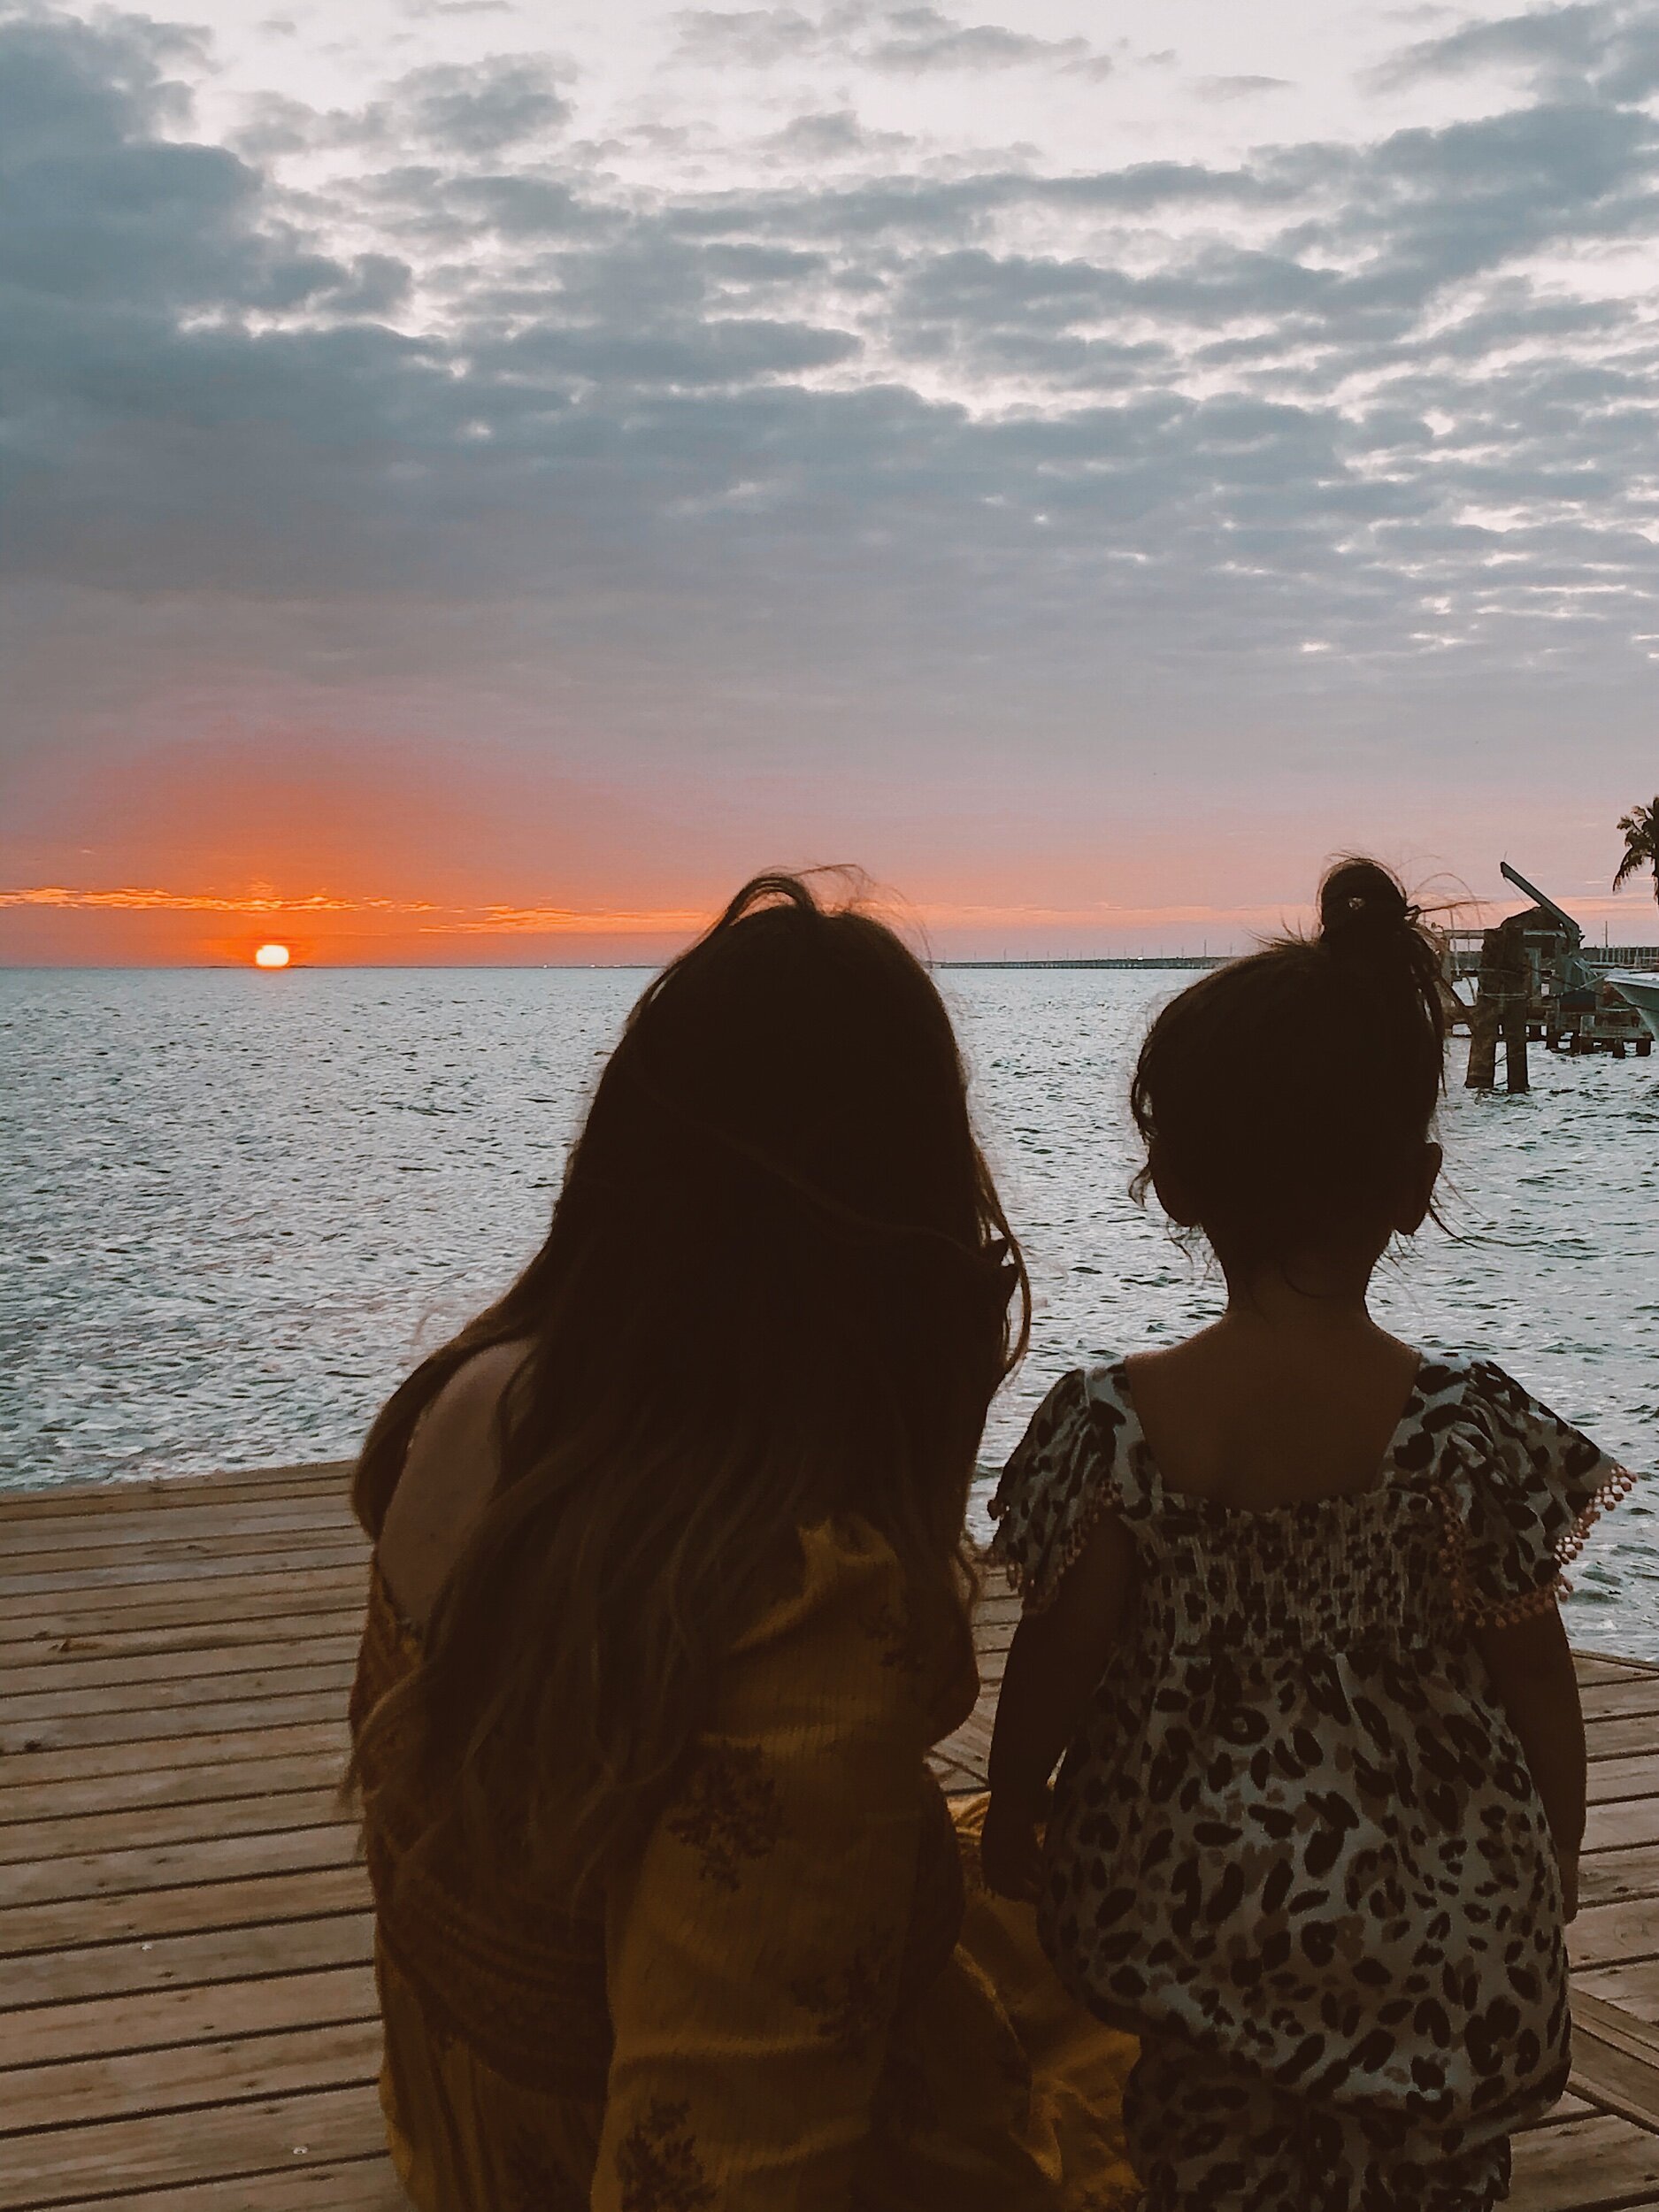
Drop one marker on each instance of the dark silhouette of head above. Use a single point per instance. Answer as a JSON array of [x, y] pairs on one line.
[[1287, 1100], [777, 1288]]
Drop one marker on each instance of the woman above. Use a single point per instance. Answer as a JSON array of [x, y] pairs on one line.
[[669, 1604]]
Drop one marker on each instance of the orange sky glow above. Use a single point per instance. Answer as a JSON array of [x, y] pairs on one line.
[[144, 926]]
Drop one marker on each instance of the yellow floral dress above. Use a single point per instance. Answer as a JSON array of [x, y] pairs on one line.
[[799, 1995]]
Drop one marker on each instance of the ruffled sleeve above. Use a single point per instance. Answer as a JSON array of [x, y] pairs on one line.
[[1070, 1467], [1523, 1491]]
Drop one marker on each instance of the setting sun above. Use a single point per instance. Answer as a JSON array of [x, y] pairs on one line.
[[271, 957]]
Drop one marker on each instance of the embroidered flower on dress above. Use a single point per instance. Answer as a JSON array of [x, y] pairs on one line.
[[894, 1637], [729, 1812], [850, 2004], [657, 2165], [540, 2182]]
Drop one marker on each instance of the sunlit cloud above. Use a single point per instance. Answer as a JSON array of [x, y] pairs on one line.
[[134, 899], [509, 920], [572, 921]]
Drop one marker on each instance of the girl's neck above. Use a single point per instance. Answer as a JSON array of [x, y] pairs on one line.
[[1317, 1294]]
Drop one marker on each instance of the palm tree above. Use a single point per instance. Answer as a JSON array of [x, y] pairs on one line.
[[1641, 826]]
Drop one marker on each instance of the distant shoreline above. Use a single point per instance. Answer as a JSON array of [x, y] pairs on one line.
[[541, 967], [1121, 960]]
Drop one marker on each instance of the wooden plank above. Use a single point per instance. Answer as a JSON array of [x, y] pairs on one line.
[[1614, 2059], [250, 1629], [1610, 1935], [211, 1857], [178, 1519], [113, 1567], [1637, 1776], [1631, 1693], [362, 2185], [964, 1757], [53, 1614], [1627, 1820], [1634, 1988], [1590, 2165], [101, 1733], [69, 1500], [164, 1558], [1605, 1666], [1610, 1877], [147, 1825], [158, 2019], [21, 1705], [1621, 1737], [27, 1513], [78, 2092], [27, 1769], [318, 1764], [1567, 2106], [220, 2143], [260, 1900], [276, 1516], [102, 1970], [110, 1683], [100, 1585], [995, 1608]]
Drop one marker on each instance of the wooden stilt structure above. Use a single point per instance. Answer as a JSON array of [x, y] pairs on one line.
[[1503, 1001], [1535, 982]]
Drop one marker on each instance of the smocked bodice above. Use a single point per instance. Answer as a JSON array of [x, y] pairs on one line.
[[1334, 1574]]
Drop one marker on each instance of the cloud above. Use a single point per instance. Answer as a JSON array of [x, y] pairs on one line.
[[469, 112], [922, 38], [1228, 89], [1607, 49], [483, 108], [903, 41], [70, 83], [147, 899], [836, 135], [754, 38], [510, 921], [888, 463]]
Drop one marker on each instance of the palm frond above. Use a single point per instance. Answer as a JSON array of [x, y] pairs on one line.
[[1641, 826]]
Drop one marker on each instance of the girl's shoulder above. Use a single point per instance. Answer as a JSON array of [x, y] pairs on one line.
[[1082, 1456]]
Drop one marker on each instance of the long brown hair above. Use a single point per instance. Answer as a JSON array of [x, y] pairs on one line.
[[777, 1288]]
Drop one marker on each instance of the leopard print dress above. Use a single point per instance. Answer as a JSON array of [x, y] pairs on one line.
[[1295, 1839]]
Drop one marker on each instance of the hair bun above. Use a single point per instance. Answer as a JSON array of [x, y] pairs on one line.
[[1362, 906]]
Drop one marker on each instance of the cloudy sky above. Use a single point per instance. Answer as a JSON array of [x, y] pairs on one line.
[[480, 477]]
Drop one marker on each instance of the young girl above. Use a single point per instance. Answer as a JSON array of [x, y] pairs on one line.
[[1290, 1611]]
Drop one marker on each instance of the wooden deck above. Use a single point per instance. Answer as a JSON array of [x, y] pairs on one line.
[[187, 2009]]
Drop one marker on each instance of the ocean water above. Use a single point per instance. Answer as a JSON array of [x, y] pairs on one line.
[[237, 1206]]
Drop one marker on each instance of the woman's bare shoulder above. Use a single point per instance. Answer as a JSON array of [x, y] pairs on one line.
[[449, 1478]]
